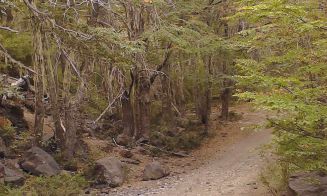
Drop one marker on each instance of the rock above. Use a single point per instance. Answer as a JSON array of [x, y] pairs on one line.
[[12, 163], [123, 140], [140, 149], [3, 148], [126, 153], [38, 162], [143, 140], [11, 176], [307, 184], [110, 171], [14, 177], [154, 171], [15, 115]]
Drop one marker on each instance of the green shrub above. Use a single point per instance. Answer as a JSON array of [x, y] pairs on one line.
[[275, 177], [7, 133], [190, 140], [59, 185]]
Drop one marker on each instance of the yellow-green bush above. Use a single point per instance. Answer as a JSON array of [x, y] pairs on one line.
[[59, 185]]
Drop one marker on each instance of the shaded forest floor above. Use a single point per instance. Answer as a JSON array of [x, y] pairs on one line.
[[227, 163]]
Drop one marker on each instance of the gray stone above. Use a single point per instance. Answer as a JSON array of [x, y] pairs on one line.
[[110, 171], [308, 184], [154, 171], [11, 176], [38, 162], [123, 140]]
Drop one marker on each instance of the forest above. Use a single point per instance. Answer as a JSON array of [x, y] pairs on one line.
[[163, 97]]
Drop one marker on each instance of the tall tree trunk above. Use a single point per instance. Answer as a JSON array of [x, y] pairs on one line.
[[128, 116], [51, 76], [72, 111], [39, 62], [208, 94], [167, 112], [143, 104], [71, 118], [225, 97]]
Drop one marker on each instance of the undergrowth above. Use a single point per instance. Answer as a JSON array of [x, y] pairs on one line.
[[63, 185]]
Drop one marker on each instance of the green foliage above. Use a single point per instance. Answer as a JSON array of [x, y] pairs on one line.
[[48, 186], [275, 177], [285, 71], [7, 133], [96, 104], [174, 139], [20, 46]]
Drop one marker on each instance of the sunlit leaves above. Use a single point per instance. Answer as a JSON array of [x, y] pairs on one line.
[[286, 72]]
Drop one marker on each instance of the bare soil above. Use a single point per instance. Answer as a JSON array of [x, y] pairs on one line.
[[227, 164]]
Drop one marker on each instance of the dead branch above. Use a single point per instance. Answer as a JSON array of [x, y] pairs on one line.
[[109, 106], [35, 11], [63, 52], [113, 139], [8, 29], [175, 108], [14, 61], [166, 151], [44, 16], [163, 64]]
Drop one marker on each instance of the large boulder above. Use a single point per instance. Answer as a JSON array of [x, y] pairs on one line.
[[123, 140], [11, 176], [308, 184], [38, 162], [154, 171], [110, 171]]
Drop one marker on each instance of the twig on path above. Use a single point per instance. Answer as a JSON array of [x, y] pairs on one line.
[[166, 151]]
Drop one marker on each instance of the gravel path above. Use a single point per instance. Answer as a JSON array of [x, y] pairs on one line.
[[232, 172]]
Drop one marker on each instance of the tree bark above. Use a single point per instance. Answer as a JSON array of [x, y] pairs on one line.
[[128, 116], [167, 112], [39, 62], [143, 105]]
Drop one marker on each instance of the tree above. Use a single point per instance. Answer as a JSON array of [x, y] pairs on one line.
[[285, 70]]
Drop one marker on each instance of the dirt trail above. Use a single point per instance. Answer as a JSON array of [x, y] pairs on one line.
[[230, 167], [234, 172]]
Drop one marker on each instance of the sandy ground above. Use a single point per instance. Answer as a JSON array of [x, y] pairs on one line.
[[228, 164]]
